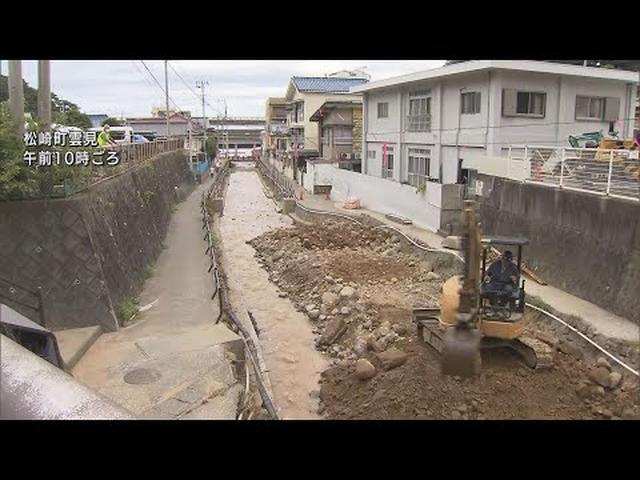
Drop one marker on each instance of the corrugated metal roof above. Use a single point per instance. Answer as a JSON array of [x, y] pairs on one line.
[[326, 84]]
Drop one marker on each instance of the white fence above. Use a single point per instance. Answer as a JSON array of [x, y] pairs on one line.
[[600, 171]]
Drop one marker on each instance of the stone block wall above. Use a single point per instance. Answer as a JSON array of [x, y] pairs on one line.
[[90, 252]]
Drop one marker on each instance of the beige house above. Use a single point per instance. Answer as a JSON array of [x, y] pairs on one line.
[[340, 125], [305, 95]]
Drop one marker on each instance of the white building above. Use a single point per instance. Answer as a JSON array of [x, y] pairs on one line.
[[435, 123]]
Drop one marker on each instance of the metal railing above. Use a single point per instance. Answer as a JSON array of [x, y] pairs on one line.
[[282, 186], [132, 155], [607, 172]]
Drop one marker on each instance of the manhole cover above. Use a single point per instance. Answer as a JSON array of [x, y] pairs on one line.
[[142, 376]]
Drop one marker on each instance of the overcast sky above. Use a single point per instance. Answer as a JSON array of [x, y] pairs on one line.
[[126, 88]]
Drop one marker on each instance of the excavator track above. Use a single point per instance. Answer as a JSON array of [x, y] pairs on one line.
[[534, 352]]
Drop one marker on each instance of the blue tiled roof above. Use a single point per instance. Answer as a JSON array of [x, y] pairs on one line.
[[326, 84]]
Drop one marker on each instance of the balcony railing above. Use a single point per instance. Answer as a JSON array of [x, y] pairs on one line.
[[600, 171], [279, 130]]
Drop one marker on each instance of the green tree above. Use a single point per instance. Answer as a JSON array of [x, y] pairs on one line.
[[20, 180], [62, 111], [72, 118], [16, 178], [112, 122], [211, 147]]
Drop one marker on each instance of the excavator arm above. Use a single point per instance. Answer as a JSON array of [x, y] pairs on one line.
[[461, 343]]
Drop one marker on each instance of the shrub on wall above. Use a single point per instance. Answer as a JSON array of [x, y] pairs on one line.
[[16, 178]]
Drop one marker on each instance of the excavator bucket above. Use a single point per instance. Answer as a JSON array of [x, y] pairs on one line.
[[461, 352]]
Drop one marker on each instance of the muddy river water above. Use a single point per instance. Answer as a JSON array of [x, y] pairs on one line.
[[286, 337]]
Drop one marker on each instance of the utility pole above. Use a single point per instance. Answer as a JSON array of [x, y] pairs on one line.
[[44, 93], [166, 94], [16, 94], [226, 133], [201, 84]]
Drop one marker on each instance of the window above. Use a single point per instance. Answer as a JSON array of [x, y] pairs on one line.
[[387, 163], [419, 117], [529, 103], [383, 109], [470, 103], [325, 136], [300, 112], [419, 164], [590, 108], [523, 104], [343, 135], [371, 154], [297, 136]]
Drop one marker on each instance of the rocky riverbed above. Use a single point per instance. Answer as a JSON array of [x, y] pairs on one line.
[[357, 286]]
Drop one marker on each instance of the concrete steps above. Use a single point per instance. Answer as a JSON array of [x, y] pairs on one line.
[[74, 343]]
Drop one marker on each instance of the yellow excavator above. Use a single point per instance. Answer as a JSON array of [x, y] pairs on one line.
[[472, 316]]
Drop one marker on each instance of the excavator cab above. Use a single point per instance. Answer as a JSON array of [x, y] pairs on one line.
[[502, 300]]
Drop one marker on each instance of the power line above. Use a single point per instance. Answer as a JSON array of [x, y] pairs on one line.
[[185, 82], [144, 77], [159, 85], [198, 96], [163, 91]]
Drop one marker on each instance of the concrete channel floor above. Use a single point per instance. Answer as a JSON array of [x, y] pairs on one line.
[[173, 359], [604, 322]]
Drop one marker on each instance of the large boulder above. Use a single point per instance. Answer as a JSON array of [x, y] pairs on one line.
[[603, 362], [360, 346], [614, 379], [335, 329], [364, 369], [347, 292], [329, 299], [392, 358], [600, 376]]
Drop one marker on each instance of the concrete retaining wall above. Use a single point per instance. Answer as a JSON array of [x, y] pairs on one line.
[[584, 244], [91, 252]]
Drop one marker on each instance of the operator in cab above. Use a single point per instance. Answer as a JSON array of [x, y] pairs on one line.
[[502, 276]]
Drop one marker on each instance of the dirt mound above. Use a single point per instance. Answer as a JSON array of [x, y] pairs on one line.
[[504, 390], [358, 286]]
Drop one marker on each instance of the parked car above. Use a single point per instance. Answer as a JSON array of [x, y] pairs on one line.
[[56, 127], [139, 138], [150, 135]]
